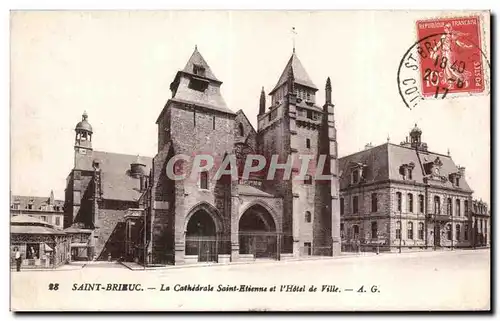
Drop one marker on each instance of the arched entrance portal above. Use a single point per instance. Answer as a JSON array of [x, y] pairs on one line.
[[257, 233], [201, 237]]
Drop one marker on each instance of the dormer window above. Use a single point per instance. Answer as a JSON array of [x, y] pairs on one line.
[[455, 179], [406, 171], [198, 70], [309, 114]]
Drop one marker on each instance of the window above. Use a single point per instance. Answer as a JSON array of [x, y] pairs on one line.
[[307, 179], [457, 182], [466, 231], [437, 205], [466, 207], [309, 114], [341, 206], [198, 70], [308, 217], [307, 248], [30, 206], [194, 118], [398, 230], [420, 231], [241, 132], [32, 251], [43, 218], [58, 220], [448, 231], [421, 203], [399, 201], [354, 204], [204, 180], [410, 230], [355, 176], [374, 202], [410, 203], [198, 85], [213, 122], [410, 173], [308, 143], [457, 232], [449, 209], [374, 230], [458, 207], [342, 230], [355, 229]]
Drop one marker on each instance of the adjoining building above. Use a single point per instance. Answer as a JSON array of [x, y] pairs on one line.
[[404, 197], [100, 189], [135, 212], [41, 244], [481, 224], [46, 209]]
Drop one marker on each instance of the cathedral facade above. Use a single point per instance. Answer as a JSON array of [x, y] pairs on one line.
[[134, 210]]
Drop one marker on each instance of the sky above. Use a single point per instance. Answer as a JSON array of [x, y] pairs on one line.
[[118, 65]]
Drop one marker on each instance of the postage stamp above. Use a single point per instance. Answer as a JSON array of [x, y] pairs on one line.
[[448, 60], [451, 61]]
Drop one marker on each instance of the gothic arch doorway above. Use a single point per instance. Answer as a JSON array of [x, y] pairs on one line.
[[258, 235], [201, 236]]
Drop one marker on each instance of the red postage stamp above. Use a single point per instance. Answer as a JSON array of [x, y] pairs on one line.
[[451, 59]]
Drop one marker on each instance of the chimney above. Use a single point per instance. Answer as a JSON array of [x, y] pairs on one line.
[[461, 170]]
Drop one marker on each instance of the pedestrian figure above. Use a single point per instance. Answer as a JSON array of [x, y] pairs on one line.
[[18, 259]]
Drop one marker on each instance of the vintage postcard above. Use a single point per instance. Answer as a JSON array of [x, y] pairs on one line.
[[250, 160]]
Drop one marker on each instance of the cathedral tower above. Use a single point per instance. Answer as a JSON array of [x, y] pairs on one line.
[[296, 126], [195, 121]]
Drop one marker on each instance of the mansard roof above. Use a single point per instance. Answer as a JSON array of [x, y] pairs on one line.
[[383, 163], [299, 73]]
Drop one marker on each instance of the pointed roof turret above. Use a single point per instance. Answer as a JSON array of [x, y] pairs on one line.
[[262, 102], [200, 86], [300, 74], [197, 65]]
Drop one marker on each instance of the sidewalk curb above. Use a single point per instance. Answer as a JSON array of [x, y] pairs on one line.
[[364, 255], [171, 267]]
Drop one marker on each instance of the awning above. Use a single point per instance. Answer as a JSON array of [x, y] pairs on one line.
[[47, 248]]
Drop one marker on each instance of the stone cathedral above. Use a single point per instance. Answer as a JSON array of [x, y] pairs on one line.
[[128, 208]]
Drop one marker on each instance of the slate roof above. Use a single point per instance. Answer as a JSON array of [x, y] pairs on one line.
[[385, 160], [37, 202], [197, 59], [299, 73], [117, 184], [210, 98]]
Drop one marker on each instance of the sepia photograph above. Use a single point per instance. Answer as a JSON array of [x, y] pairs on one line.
[[167, 160]]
